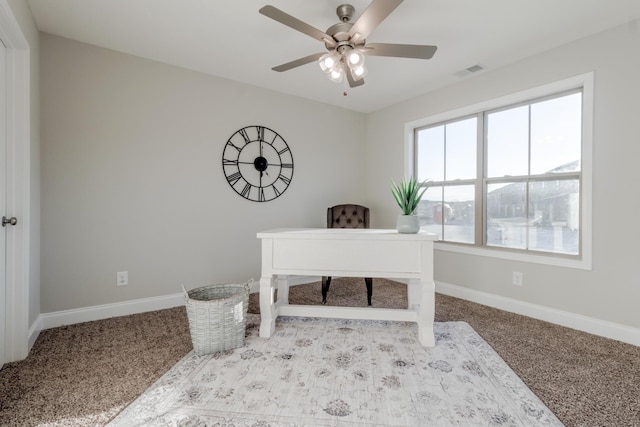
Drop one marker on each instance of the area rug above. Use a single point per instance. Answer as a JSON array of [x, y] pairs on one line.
[[329, 372]]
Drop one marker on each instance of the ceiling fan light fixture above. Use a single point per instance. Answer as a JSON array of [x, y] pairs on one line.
[[359, 72], [355, 58], [337, 73], [327, 62], [346, 42]]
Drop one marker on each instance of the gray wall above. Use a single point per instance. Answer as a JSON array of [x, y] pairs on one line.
[[132, 177], [611, 290]]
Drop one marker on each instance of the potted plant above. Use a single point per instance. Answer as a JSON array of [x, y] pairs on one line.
[[408, 194]]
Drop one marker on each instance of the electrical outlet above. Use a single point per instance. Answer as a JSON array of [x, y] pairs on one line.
[[517, 278], [122, 278]]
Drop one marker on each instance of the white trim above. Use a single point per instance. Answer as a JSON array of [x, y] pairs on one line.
[[125, 308], [571, 320], [586, 182], [106, 311], [3, 116], [599, 327], [409, 140], [585, 81], [511, 255], [18, 184], [34, 332]]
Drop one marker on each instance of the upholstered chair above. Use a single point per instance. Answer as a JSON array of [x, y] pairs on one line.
[[347, 216]]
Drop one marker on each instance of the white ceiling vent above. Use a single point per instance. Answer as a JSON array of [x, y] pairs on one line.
[[470, 70]]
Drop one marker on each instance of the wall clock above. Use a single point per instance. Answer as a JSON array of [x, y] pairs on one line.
[[257, 163]]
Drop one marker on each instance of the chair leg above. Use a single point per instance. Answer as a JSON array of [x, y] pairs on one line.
[[326, 282], [369, 283]]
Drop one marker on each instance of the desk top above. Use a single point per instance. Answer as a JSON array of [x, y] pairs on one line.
[[343, 233]]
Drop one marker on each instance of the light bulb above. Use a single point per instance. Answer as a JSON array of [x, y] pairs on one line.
[[355, 58], [336, 74], [358, 73], [327, 62]]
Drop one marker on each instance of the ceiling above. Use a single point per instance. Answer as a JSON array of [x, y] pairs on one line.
[[230, 39]]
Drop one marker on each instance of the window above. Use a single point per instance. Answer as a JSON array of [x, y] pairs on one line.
[[509, 177], [446, 155]]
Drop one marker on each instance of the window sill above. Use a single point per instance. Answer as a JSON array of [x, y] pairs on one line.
[[583, 263]]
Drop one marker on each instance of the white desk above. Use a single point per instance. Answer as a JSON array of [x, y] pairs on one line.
[[348, 253]]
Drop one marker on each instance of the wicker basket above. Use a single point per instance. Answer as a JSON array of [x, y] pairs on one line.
[[217, 316]]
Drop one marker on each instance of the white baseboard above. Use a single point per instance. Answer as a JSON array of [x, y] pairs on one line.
[[602, 328], [105, 311], [34, 331], [571, 320]]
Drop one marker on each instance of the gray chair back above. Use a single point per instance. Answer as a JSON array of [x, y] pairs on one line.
[[348, 216]]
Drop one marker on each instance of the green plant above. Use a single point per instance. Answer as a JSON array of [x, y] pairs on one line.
[[408, 194]]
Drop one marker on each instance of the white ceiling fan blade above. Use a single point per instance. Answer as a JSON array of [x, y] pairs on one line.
[[298, 62], [417, 51], [288, 20], [373, 15]]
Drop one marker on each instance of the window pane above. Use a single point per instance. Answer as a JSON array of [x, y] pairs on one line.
[[457, 213], [508, 142], [430, 153], [556, 134], [554, 216], [428, 211], [506, 215], [461, 140]]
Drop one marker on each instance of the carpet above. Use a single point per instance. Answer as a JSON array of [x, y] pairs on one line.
[[331, 372]]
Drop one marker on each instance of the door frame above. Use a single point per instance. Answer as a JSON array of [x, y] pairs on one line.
[[18, 159]]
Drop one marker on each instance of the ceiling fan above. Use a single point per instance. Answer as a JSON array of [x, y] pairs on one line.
[[346, 42]]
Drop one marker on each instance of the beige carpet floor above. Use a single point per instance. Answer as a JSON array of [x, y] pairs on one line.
[[84, 374]]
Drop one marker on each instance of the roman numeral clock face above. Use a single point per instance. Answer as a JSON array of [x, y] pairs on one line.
[[258, 163]]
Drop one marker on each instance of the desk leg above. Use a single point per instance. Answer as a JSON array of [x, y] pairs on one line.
[[426, 313], [267, 307], [413, 293], [283, 290]]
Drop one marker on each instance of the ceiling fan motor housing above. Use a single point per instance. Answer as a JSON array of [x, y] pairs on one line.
[[340, 33], [345, 12]]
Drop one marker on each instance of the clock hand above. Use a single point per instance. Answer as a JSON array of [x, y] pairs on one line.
[[265, 165], [265, 162]]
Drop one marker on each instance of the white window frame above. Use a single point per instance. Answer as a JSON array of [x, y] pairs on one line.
[[586, 83]]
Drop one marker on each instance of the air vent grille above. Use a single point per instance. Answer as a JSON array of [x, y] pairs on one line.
[[469, 70]]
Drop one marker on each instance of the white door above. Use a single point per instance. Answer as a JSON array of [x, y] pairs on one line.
[[15, 137], [3, 200]]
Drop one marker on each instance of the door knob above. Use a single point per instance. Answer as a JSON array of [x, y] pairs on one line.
[[11, 221]]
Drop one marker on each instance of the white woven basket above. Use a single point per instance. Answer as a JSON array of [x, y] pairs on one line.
[[217, 316]]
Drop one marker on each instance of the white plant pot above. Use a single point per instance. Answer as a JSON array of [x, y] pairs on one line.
[[408, 224]]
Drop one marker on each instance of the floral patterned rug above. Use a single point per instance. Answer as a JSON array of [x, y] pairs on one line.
[[330, 372]]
